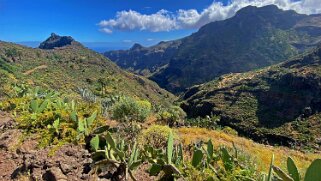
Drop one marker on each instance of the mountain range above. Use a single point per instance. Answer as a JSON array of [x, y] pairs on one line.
[[254, 38]]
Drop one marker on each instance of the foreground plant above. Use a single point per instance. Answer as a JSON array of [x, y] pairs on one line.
[[110, 153], [313, 172], [166, 162]]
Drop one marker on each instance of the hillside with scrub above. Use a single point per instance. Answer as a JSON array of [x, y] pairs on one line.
[[68, 113], [73, 68], [278, 105]]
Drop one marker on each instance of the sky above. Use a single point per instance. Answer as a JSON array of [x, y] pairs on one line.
[[120, 23]]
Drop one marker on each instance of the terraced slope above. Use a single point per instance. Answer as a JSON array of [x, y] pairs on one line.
[[279, 104]]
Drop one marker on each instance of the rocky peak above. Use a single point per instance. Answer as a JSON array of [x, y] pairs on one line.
[[136, 46], [255, 10], [56, 41]]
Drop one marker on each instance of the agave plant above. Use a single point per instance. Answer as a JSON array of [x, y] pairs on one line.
[[116, 155], [55, 127], [313, 172], [83, 125], [166, 162], [36, 106]]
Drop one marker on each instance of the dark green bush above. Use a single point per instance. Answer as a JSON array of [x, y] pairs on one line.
[[128, 109]]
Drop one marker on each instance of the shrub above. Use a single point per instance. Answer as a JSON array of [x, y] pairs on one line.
[[172, 116], [155, 136], [229, 130], [128, 109]]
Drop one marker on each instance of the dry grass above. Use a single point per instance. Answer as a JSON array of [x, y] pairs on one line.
[[261, 153]]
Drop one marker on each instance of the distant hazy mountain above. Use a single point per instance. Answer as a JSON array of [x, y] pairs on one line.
[[253, 38], [145, 60]]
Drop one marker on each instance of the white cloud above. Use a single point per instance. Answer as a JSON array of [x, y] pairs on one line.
[[106, 30], [191, 19], [132, 20], [127, 41], [150, 39]]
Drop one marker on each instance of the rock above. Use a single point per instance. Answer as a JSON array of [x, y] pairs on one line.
[[41, 165], [65, 168], [10, 139], [7, 165], [56, 41], [28, 146], [54, 174], [6, 122], [307, 111]]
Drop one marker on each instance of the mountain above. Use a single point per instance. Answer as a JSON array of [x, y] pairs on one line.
[[56, 41], [280, 104], [70, 67], [145, 60], [253, 38]]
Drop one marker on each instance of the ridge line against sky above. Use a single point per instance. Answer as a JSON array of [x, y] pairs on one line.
[[122, 23], [164, 20]]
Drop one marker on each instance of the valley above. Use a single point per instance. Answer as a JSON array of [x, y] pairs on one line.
[[237, 100], [249, 40]]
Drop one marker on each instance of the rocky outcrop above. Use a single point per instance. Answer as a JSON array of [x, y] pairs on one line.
[[22, 158], [56, 41]]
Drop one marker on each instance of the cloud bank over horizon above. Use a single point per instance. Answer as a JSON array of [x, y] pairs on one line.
[[164, 20]]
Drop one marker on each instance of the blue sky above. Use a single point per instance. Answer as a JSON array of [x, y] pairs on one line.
[[34, 20], [121, 23]]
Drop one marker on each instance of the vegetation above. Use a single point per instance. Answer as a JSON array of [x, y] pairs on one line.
[[155, 136], [274, 105], [131, 127], [172, 116], [60, 120], [79, 67], [128, 109]]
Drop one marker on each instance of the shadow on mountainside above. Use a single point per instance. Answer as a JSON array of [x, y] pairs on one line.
[[287, 99]]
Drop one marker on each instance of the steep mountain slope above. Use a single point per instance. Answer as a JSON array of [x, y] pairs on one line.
[[253, 38], [69, 67], [144, 60], [279, 104]]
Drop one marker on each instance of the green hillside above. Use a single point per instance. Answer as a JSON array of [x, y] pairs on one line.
[[279, 104], [71, 68]]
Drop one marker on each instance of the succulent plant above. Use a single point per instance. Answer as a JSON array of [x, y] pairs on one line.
[[166, 163], [313, 172], [124, 158], [38, 107], [85, 123], [55, 126]]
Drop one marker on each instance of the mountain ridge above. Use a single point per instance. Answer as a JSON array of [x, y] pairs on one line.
[[253, 38]]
